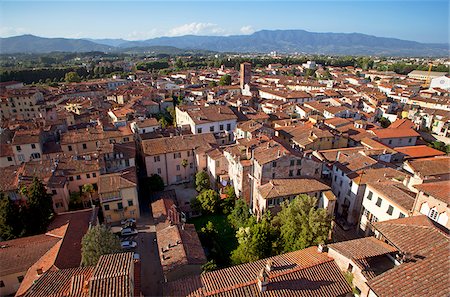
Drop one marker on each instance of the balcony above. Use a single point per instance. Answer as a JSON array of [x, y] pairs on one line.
[[109, 199]]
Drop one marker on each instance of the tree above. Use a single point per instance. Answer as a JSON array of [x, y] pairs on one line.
[[212, 84], [227, 204], [301, 225], [225, 80], [72, 77], [88, 189], [179, 63], [75, 201], [163, 122], [255, 241], [208, 201], [239, 215], [39, 207], [98, 241], [155, 183], [202, 181], [209, 266], [10, 222], [384, 122]]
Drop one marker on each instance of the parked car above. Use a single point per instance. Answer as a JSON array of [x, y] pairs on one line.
[[128, 232], [128, 244], [128, 221]]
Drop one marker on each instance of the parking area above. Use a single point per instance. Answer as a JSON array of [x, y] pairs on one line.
[[151, 271]]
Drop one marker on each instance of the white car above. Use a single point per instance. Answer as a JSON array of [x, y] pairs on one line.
[[128, 221], [128, 232], [128, 244]]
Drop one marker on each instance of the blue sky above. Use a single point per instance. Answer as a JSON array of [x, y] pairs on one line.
[[424, 21]]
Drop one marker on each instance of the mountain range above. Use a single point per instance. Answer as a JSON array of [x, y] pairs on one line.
[[283, 41]]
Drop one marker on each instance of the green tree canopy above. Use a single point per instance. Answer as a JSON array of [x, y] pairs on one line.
[[202, 181], [39, 210], [155, 183], [239, 215], [208, 201], [255, 241], [72, 77], [301, 224], [10, 223], [225, 80], [96, 242]]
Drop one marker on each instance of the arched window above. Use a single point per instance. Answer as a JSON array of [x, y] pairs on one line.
[[433, 214]]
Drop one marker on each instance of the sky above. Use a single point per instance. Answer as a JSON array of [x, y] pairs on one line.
[[423, 21]]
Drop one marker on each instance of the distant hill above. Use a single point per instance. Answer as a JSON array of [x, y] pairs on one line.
[[284, 41], [290, 41], [34, 44]]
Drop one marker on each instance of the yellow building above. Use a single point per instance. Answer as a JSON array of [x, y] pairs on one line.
[[118, 195]]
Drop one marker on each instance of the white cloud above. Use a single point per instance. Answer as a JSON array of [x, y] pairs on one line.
[[197, 29], [10, 31], [247, 30]]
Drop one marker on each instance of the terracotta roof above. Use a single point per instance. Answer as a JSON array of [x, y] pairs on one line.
[[114, 182], [395, 192], [208, 114], [362, 248], [179, 245], [112, 276], [426, 273], [372, 174], [6, 150], [269, 151], [401, 123], [430, 166], [300, 273], [439, 190], [66, 282], [9, 178], [26, 137], [395, 133], [161, 209], [166, 145], [287, 187], [18, 255], [419, 151]]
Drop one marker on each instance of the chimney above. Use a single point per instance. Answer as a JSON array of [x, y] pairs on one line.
[[263, 280], [322, 248]]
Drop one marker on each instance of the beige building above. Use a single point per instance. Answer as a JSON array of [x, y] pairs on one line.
[[21, 103], [27, 145], [166, 156], [433, 200], [270, 195], [118, 195]]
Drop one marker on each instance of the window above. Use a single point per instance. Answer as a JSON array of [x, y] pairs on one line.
[[409, 140], [94, 174], [191, 165], [20, 278], [390, 210], [119, 205], [78, 177], [228, 127], [71, 178], [340, 183], [299, 162], [35, 155], [292, 163], [53, 192], [366, 213], [270, 201], [2, 284], [156, 158], [379, 200], [176, 155], [9, 159], [433, 214], [178, 178], [350, 267], [178, 167], [130, 202], [369, 196], [273, 175], [211, 129], [33, 146], [84, 146], [159, 170], [291, 172], [18, 148], [126, 139], [390, 141], [298, 172], [274, 164], [127, 162], [188, 153], [220, 127], [401, 215], [69, 147]]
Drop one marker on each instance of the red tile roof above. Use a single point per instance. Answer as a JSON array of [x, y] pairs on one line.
[[362, 248], [439, 190], [395, 133], [418, 151], [426, 273], [301, 273]]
